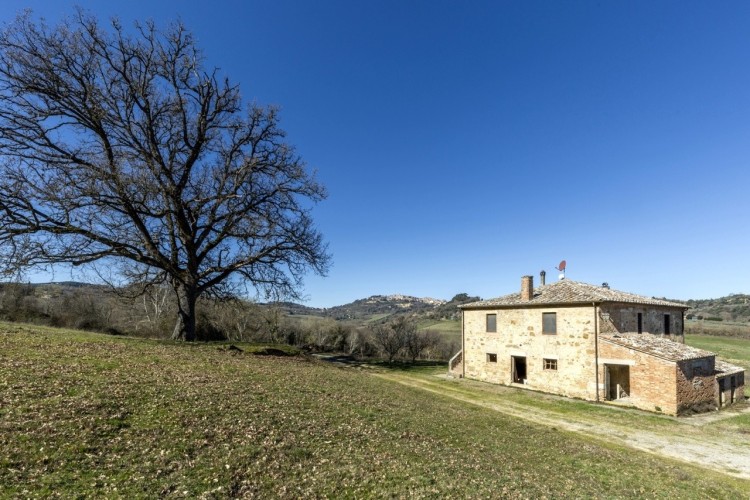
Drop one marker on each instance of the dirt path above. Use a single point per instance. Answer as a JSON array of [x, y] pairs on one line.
[[695, 440]]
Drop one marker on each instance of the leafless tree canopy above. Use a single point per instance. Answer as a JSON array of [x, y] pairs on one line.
[[120, 147]]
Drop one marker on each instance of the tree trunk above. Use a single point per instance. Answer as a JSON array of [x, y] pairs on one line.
[[184, 329]]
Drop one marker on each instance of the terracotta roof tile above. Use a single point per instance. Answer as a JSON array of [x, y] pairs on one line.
[[725, 368], [570, 292], [656, 346]]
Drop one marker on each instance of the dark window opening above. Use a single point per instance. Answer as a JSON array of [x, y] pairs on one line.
[[698, 368], [667, 324], [550, 364], [640, 322], [492, 322], [491, 358], [549, 323]]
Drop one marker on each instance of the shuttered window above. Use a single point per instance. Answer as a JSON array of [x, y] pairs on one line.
[[549, 323], [492, 322]]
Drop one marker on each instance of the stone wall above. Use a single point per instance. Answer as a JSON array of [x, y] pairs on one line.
[[623, 318], [654, 383], [696, 385], [519, 333]]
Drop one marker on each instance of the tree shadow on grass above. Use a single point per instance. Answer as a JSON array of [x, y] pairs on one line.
[[420, 365], [345, 360]]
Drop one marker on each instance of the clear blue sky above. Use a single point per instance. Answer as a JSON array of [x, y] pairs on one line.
[[465, 144]]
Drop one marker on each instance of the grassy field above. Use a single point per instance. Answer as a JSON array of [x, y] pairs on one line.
[[731, 349], [452, 326], [734, 350], [377, 317], [449, 330], [91, 415], [723, 328]]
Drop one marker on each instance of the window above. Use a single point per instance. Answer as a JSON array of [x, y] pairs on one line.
[[550, 364], [640, 323], [491, 358], [492, 322], [667, 324], [699, 368], [549, 323]]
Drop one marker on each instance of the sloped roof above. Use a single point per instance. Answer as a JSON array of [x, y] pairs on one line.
[[656, 346], [724, 368], [570, 292]]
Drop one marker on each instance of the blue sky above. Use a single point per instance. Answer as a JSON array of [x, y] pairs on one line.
[[465, 144]]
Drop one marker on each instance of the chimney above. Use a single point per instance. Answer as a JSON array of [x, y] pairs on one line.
[[527, 288], [542, 275]]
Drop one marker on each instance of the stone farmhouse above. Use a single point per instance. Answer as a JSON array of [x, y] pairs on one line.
[[593, 343]]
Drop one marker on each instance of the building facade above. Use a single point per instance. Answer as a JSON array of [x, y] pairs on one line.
[[593, 343]]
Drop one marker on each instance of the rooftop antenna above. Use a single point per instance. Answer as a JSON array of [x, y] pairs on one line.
[[561, 268]]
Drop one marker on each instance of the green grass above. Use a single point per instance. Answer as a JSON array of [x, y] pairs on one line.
[[86, 415], [449, 330], [734, 350], [731, 349], [374, 318], [483, 392]]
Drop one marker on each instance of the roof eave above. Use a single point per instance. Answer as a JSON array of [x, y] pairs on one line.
[[568, 303], [649, 353]]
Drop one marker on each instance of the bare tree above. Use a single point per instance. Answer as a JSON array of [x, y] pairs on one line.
[[417, 342], [152, 306], [238, 319], [360, 343], [121, 149], [390, 341]]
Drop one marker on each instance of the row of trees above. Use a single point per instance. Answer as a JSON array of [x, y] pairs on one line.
[[150, 315], [401, 337]]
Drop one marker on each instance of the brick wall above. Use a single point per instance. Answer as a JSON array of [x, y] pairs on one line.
[[658, 384], [652, 380]]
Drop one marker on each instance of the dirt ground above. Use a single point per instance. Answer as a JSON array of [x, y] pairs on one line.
[[701, 440]]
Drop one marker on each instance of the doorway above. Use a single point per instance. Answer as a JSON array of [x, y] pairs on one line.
[[519, 369], [617, 380]]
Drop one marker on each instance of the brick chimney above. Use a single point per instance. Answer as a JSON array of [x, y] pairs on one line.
[[527, 288], [542, 276]]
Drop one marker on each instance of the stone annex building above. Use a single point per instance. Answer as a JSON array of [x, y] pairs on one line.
[[594, 343]]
